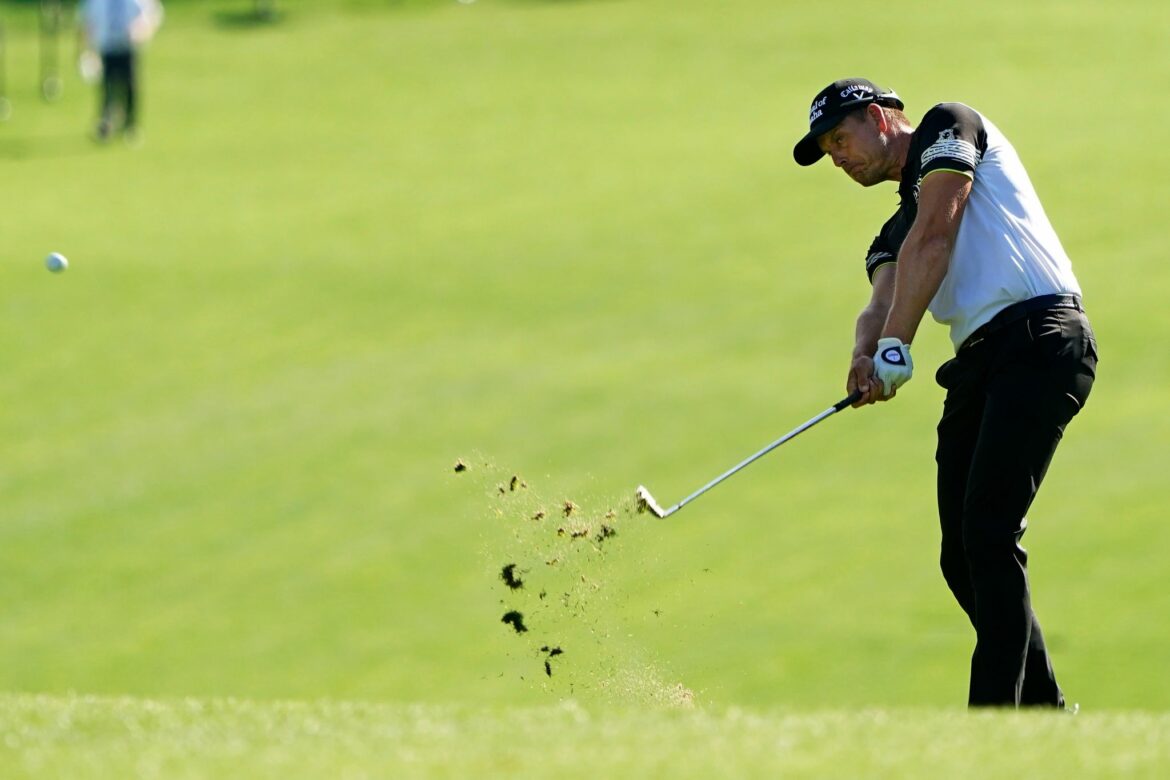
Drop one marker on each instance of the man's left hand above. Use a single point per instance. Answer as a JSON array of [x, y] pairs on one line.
[[892, 364]]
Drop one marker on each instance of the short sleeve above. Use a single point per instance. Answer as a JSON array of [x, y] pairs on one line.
[[953, 139], [887, 244]]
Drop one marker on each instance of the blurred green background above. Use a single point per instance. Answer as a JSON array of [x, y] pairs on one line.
[[567, 239]]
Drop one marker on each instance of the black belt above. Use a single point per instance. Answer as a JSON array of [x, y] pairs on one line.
[[1019, 310]]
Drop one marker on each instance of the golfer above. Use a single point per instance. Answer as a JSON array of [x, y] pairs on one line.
[[971, 244]]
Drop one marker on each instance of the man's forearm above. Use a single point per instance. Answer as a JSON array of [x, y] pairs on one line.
[[869, 329], [925, 255], [922, 265]]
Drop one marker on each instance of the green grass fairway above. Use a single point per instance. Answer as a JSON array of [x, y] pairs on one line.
[[89, 737], [563, 241]]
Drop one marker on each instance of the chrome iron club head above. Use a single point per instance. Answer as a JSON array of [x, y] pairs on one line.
[[646, 503]]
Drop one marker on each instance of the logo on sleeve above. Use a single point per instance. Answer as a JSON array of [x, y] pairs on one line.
[[957, 150]]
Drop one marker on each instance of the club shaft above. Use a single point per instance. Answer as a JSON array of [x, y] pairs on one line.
[[844, 402]]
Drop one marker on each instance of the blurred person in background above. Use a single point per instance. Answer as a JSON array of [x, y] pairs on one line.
[[113, 31]]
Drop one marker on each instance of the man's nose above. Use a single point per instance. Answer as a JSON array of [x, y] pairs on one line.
[[838, 160]]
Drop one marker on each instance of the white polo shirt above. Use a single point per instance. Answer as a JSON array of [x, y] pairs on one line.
[[1006, 250]]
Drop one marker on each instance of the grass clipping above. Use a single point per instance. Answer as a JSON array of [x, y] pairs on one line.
[[558, 566]]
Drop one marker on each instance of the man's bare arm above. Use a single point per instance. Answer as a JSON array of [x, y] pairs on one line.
[[926, 252], [869, 329]]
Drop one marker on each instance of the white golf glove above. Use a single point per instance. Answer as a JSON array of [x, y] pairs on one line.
[[892, 364]]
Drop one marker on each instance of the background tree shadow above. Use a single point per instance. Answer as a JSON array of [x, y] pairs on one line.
[[257, 14]]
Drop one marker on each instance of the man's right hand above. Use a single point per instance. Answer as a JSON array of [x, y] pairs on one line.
[[862, 373], [861, 378]]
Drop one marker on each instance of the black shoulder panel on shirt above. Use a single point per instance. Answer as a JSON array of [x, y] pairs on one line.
[[950, 137]]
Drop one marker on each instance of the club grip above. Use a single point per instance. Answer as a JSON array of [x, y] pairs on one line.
[[854, 397]]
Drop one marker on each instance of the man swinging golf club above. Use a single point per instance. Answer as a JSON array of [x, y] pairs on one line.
[[970, 243]]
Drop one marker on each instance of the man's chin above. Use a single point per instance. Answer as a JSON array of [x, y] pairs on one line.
[[864, 179]]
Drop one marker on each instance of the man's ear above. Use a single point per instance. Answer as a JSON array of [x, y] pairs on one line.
[[874, 111]]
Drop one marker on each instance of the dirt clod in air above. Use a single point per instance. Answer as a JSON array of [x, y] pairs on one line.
[[550, 652], [557, 592], [515, 620], [460, 466], [510, 578]]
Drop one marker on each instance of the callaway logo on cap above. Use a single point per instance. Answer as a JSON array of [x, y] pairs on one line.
[[831, 105]]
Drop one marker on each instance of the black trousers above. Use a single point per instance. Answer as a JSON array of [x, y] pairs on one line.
[[119, 88], [1009, 398]]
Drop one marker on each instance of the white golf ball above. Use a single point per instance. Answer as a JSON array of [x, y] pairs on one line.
[[56, 262]]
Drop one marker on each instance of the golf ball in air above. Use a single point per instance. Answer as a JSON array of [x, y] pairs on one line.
[[56, 262]]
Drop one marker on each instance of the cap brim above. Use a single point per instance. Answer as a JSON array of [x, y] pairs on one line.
[[806, 151]]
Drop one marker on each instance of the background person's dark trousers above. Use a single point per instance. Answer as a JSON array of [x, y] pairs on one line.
[[1009, 398], [119, 91]]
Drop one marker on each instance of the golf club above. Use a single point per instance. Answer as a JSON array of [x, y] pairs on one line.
[[646, 502]]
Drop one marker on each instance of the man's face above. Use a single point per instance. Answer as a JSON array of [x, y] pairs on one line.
[[857, 146]]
